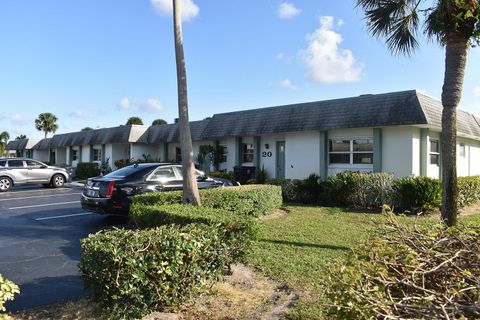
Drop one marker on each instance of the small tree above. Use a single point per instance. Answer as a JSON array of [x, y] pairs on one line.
[[87, 129], [21, 137], [4, 136], [46, 122], [159, 122], [134, 120]]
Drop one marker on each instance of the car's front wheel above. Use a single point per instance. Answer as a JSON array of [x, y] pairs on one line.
[[58, 181], [5, 184]]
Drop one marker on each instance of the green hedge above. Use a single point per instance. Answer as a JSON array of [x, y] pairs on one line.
[[417, 194], [134, 272], [238, 231], [87, 170], [7, 291], [249, 200], [468, 190]]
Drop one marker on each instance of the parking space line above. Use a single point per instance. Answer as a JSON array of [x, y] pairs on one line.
[[35, 197], [66, 216], [37, 191], [44, 205]]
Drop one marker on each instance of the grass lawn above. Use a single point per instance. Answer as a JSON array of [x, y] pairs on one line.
[[295, 248]]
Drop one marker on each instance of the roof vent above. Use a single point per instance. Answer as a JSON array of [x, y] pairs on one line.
[[366, 95]]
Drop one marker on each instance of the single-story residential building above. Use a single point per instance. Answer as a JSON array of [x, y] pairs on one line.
[[396, 132]]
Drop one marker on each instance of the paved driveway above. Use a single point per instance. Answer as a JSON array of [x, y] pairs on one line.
[[40, 231]]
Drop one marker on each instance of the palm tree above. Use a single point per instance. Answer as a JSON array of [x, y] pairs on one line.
[[159, 122], [454, 24], [46, 122], [134, 120], [21, 137], [4, 136], [190, 188]]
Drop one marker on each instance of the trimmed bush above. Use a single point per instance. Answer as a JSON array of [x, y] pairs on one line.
[[249, 200], [417, 194], [8, 289], [360, 189], [134, 272], [87, 170], [409, 272], [238, 231], [307, 191], [468, 190], [223, 175]]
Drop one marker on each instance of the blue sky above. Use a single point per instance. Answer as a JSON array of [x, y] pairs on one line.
[[96, 63]]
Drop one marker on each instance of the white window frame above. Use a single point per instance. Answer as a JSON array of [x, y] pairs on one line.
[[98, 156], [462, 150], [350, 152], [434, 153], [75, 154], [251, 152]]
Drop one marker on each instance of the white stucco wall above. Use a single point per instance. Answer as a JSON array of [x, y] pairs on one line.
[[357, 133], [109, 155], [398, 150], [41, 155], [268, 156], [302, 154], [474, 157], [86, 153], [137, 151], [120, 151]]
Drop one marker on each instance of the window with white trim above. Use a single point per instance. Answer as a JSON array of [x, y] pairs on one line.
[[461, 150], [434, 152], [248, 152], [224, 153], [97, 154], [74, 154], [351, 151]]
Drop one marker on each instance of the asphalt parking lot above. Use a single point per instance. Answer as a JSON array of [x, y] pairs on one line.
[[40, 229]]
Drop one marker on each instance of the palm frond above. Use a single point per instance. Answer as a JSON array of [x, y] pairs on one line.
[[395, 20]]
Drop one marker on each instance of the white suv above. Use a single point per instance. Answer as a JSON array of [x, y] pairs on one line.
[[19, 171]]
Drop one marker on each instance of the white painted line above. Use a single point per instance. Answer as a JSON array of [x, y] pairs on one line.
[[45, 205], [47, 196], [39, 190], [66, 216]]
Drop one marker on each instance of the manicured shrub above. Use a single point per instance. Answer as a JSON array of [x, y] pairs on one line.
[[87, 170], [238, 230], [250, 200], [468, 190], [409, 272], [360, 189], [307, 191], [223, 175], [134, 272], [417, 194], [8, 289]]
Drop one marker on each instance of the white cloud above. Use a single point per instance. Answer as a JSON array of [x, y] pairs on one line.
[[79, 114], [476, 91], [15, 118], [165, 7], [326, 62], [287, 10], [124, 104], [287, 84], [150, 105], [284, 58]]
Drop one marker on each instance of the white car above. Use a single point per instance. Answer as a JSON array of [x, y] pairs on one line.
[[21, 171]]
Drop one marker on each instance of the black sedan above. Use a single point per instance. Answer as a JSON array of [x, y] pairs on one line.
[[112, 193]]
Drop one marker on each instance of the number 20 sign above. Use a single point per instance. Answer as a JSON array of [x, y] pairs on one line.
[[266, 154]]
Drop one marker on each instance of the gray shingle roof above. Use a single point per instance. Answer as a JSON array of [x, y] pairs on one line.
[[121, 134], [43, 144], [372, 110], [170, 132], [21, 144]]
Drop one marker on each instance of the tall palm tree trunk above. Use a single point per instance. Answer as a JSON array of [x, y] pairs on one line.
[[190, 188], [455, 61]]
